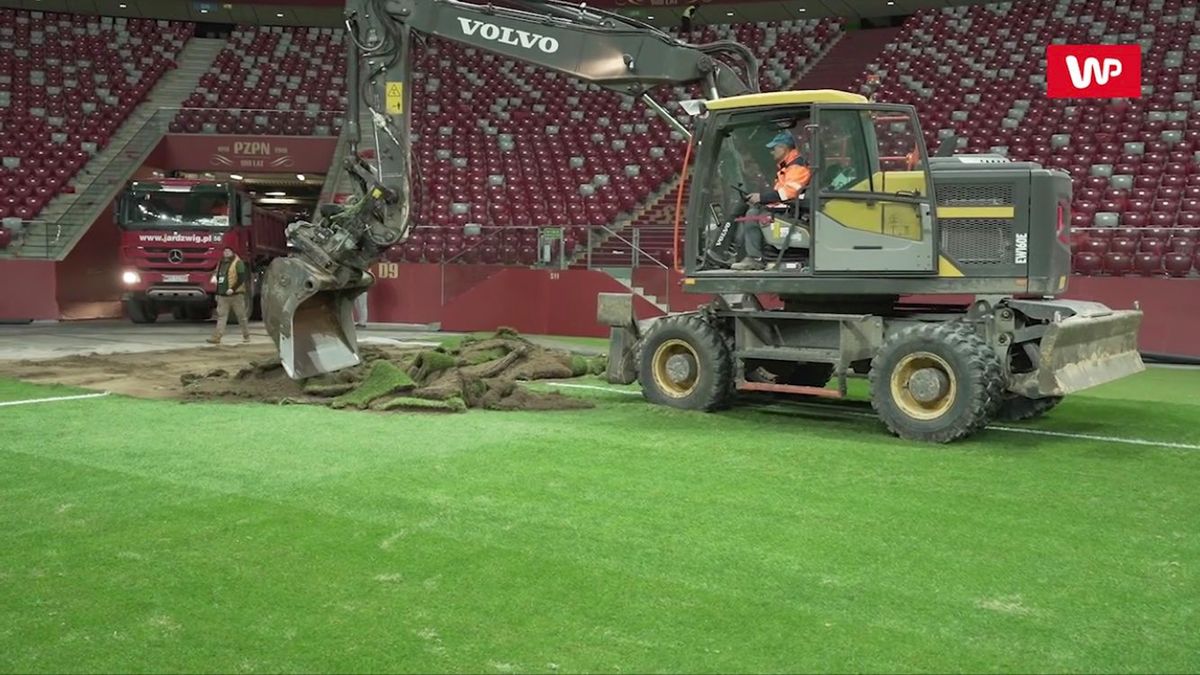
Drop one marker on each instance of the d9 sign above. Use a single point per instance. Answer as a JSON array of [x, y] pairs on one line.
[[1093, 71]]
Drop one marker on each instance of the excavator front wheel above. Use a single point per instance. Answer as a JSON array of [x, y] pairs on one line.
[[685, 363]]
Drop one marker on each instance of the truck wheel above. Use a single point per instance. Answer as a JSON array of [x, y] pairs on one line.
[[255, 295], [199, 312], [1017, 408], [684, 362], [141, 311], [936, 382]]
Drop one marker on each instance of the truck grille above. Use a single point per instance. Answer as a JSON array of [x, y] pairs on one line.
[[974, 194], [193, 258], [978, 241]]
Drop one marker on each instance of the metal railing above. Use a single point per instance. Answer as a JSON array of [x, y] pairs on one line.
[[640, 260], [640, 268], [24, 233], [636, 252], [109, 181], [263, 112]]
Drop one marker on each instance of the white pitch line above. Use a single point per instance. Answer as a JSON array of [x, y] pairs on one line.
[[1015, 430], [52, 399], [1093, 437]]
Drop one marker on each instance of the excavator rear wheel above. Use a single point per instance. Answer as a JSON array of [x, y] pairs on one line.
[[936, 382], [684, 362]]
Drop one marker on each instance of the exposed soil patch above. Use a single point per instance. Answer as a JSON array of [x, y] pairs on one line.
[[480, 373]]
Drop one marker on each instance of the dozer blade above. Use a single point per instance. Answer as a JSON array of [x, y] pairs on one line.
[[1081, 352], [308, 316]]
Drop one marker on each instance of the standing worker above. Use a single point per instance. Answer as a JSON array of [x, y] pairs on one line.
[[231, 294], [360, 310], [685, 21]]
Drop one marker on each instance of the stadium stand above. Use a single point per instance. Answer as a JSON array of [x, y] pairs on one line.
[[271, 80], [67, 82], [547, 151], [512, 148], [978, 73]]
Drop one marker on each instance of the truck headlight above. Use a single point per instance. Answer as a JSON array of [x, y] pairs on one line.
[[130, 277], [212, 279]]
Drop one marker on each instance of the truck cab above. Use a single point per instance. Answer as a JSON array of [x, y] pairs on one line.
[[172, 234]]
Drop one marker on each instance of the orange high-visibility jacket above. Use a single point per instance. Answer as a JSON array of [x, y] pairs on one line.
[[792, 178], [912, 159]]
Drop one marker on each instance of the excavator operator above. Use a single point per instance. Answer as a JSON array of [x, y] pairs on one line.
[[790, 181]]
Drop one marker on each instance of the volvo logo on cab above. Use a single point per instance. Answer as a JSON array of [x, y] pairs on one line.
[[507, 35], [1093, 71]]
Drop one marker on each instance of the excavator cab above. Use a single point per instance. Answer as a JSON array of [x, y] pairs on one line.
[[867, 208]]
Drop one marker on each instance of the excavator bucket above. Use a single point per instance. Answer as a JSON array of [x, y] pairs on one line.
[[1081, 352], [308, 316]]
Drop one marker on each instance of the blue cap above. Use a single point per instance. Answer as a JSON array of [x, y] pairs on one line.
[[782, 138]]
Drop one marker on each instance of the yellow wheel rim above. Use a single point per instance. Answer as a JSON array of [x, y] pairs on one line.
[[924, 386], [676, 368]]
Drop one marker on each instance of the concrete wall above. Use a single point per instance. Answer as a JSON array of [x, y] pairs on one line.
[[28, 288], [482, 297]]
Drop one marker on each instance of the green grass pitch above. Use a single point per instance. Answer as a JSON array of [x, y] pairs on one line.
[[159, 536]]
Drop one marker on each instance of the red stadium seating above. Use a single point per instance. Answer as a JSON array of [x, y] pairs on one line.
[[1089, 263], [1118, 263], [271, 79], [67, 82], [1177, 264], [978, 71], [514, 148], [1148, 264]]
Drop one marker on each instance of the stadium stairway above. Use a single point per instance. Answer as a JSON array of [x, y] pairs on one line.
[[65, 219], [847, 59]]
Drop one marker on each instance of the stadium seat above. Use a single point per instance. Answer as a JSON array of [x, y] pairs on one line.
[[1148, 263], [1177, 264], [1118, 263], [1089, 263]]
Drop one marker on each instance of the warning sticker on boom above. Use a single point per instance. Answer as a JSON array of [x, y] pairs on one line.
[[395, 98]]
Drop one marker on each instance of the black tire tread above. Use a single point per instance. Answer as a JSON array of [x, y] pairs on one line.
[[706, 336], [1016, 408], [140, 311], [985, 392]]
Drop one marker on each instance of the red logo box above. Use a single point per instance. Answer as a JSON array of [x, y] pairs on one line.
[[1093, 71]]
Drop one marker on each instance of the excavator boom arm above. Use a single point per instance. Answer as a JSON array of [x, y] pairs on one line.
[[308, 296]]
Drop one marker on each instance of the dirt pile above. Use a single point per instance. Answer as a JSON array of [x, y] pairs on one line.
[[479, 373]]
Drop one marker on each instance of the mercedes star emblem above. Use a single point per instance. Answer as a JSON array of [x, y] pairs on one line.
[[175, 255]]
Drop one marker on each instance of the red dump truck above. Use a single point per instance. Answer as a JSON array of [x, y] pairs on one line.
[[172, 235]]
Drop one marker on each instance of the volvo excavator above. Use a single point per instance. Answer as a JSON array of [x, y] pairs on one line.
[[854, 263]]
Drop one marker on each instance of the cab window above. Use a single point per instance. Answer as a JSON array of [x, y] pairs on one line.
[[845, 162]]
